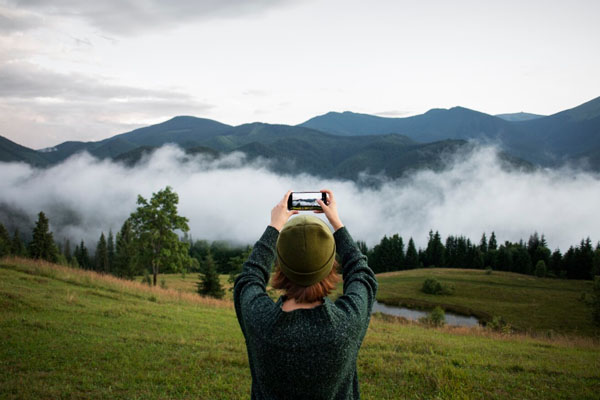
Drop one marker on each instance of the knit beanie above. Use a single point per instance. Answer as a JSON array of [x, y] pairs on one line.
[[305, 250]]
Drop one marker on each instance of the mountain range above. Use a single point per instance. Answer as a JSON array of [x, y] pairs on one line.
[[345, 144]]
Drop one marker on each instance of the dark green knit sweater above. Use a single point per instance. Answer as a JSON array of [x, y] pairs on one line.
[[305, 353]]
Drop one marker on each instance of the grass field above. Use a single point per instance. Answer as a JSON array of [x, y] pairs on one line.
[[528, 303], [75, 334]]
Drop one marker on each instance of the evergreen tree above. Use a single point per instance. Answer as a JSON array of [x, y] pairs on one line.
[[5, 242], [412, 258], [67, 251], [209, 284], [124, 262], [555, 265], [110, 251], [435, 251], [483, 245], [42, 244], [82, 256], [18, 247], [101, 256], [596, 262], [492, 244]]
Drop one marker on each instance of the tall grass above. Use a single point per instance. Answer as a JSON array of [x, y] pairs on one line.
[[94, 279]]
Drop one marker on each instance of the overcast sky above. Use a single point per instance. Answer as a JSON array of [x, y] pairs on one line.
[[86, 70]]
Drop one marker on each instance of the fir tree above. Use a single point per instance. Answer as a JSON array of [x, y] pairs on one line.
[[18, 247], [124, 263], [5, 242], [42, 244], [492, 244], [110, 250], [67, 251], [83, 258], [101, 256], [483, 245], [209, 284], [412, 257]]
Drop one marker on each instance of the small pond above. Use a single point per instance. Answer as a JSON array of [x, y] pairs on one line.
[[451, 318]]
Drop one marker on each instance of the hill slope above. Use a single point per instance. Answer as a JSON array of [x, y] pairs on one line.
[[11, 152], [526, 302], [77, 334]]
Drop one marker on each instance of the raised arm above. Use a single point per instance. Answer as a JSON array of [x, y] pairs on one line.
[[249, 292], [360, 284]]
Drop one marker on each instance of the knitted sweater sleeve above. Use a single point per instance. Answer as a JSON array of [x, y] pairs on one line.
[[249, 292], [360, 284]]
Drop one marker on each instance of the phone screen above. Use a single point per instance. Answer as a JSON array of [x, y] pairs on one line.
[[304, 201]]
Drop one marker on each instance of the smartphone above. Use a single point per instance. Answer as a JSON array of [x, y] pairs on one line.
[[306, 201]]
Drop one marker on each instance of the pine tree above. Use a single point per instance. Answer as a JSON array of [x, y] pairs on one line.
[[101, 256], [412, 257], [483, 246], [209, 284], [67, 251], [17, 246], [5, 243], [42, 244], [492, 244], [83, 258], [124, 262], [110, 249]]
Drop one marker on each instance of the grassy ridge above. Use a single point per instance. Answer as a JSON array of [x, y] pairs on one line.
[[75, 334]]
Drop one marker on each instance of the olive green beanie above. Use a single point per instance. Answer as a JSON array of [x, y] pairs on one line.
[[305, 250]]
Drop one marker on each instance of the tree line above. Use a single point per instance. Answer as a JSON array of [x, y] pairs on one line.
[[147, 243], [533, 257]]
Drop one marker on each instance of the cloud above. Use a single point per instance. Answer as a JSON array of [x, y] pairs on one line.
[[34, 100], [14, 20], [131, 16], [231, 198], [392, 113]]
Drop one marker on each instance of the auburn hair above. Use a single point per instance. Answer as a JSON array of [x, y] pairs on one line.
[[306, 294]]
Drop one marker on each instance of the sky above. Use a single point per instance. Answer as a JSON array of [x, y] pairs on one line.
[[74, 70]]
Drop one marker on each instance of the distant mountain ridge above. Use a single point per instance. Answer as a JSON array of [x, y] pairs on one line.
[[344, 144], [546, 140]]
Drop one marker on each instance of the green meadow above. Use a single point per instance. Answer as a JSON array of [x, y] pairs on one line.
[[77, 334], [527, 303]]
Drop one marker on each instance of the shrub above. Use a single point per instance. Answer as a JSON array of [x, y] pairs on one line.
[[163, 283], [433, 286], [437, 317], [498, 324], [540, 269]]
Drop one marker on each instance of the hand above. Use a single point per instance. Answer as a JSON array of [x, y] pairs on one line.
[[280, 213], [330, 210]]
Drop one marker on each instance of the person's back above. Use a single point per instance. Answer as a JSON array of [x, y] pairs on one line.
[[307, 353]]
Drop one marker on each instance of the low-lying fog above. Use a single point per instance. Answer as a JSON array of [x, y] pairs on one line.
[[231, 199]]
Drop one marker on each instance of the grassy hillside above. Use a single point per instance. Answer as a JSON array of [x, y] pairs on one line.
[[526, 302], [76, 334]]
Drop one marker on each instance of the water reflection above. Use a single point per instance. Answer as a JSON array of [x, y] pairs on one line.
[[451, 318]]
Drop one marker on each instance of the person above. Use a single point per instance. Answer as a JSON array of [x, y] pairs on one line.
[[304, 346]]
